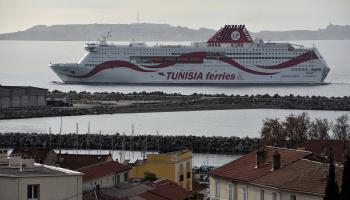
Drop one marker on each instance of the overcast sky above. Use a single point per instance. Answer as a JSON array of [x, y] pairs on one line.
[[16, 15]]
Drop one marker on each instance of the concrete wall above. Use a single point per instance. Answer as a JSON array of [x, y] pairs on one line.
[[51, 187], [105, 181], [22, 97], [282, 195]]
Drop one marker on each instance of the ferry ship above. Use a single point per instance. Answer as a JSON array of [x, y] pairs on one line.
[[229, 56]]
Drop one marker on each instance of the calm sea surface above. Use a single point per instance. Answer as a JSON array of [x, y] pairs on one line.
[[25, 63], [241, 122]]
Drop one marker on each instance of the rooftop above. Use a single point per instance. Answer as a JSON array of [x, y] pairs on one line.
[[161, 189], [38, 170], [244, 168], [102, 169], [39, 155], [304, 176], [76, 161], [322, 148]]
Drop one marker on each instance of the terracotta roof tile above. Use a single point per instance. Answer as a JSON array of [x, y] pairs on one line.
[[322, 147], [39, 155], [102, 169], [244, 168], [303, 176], [76, 161], [168, 189]]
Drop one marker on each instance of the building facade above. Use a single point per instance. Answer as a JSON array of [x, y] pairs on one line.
[[105, 174], [271, 174], [22, 179], [174, 166], [22, 97]]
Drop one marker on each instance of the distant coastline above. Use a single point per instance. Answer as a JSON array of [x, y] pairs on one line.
[[161, 32]]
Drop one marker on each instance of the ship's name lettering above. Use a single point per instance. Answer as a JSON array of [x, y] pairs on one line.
[[199, 76]]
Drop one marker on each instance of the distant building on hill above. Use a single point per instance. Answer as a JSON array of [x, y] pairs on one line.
[[105, 174], [175, 166], [272, 173], [44, 156], [21, 178], [22, 97]]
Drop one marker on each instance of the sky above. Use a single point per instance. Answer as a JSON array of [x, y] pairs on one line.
[[257, 15]]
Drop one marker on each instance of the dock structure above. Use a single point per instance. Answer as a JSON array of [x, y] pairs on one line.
[[22, 97]]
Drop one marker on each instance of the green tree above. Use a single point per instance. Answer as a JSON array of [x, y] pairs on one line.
[[341, 128], [345, 188], [149, 176], [332, 189]]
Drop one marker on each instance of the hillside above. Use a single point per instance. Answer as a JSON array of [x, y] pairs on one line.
[[160, 32]]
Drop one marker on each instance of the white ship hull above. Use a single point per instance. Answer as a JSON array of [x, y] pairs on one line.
[[232, 61]]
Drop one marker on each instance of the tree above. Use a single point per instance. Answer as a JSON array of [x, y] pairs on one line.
[[341, 128], [296, 128], [319, 129], [149, 176], [332, 189], [345, 188], [272, 133]]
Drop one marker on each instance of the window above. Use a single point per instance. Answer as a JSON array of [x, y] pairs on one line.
[[262, 194], [245, 192], [118, 178], [126, 177], [293, 197], [217, 189], [33, 192], [274, 196], [231, 192], [188, 175]]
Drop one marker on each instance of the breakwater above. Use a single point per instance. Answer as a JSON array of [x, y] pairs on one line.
[[200, 144], [85, 103]]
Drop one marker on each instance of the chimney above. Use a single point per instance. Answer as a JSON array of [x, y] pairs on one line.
[[261, 156], [276, 161], [3, 157], [16, 161]]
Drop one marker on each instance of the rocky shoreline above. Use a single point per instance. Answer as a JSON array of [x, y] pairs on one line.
[[85, 103]]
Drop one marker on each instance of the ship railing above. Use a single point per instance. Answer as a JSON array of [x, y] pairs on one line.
[[66, 64]]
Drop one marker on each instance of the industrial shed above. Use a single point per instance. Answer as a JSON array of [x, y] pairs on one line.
[[22, 97]]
